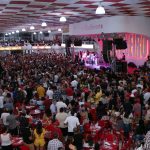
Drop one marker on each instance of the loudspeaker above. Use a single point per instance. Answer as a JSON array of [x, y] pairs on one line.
[[68, 43], [77, 42], [107, 45], [106, 56], [120, 43], [125, 67]]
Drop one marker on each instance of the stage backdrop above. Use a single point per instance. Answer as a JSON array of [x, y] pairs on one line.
[[138, 48]]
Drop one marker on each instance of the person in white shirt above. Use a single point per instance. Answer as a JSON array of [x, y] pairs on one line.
[[56, 78], [72, 122], [74, 84], [60, 104], [147, 115], [53, 108], [1, 102], [6, 142], [146, 96], [61, 117], [49, 93], [4, 115]]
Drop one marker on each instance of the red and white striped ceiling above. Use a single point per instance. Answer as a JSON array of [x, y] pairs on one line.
[[16, 14]]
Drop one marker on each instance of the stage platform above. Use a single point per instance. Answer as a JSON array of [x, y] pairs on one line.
[[102, 65]]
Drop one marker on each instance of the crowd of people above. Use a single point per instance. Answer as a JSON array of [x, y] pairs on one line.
[[35, 43], [75, 106]]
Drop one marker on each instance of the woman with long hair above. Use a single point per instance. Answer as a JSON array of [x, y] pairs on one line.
[[5, 139], [25, 131], [69, 144], [39, 134]]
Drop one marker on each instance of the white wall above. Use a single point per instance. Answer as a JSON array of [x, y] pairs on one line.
[[130, 24]]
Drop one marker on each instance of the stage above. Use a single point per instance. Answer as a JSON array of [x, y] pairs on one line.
[[98, 67]]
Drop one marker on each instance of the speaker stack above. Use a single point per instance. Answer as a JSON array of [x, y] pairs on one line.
[[107, 46], [121, 66]]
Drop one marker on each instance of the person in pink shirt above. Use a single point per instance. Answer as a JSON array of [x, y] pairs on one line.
[[137, 109]]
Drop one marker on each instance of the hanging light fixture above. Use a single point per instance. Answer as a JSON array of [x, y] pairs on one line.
[[49, 31], [100, 10], [17, 31], [23, 30], [13, 32], [59, 30], [9, 33], [6, 34], [62, 19], [34, 33], [32, 28], [41, 32], [44, 24]]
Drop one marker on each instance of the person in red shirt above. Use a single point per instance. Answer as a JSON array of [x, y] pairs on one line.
[[47, 102], [53, 128], [93, 114], [86, 93], [69, 93]]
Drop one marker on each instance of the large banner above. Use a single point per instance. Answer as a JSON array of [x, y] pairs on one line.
[[116, 24], [138, 48]]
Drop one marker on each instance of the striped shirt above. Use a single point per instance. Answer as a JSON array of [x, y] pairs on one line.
[[54, 144], [147, 141]]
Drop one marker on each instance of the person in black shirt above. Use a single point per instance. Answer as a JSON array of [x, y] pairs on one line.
[[140, 131], [25, 131], [78, 139]]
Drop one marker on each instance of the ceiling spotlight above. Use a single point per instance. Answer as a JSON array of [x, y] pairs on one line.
[[62, 19], [59, 30], [32, 28], [17, 31], [13, 32], [100, 10], [6, 34], [9, 33], [34, 33], [23, 30], [41, 32], [49, 31], [44, 24]]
